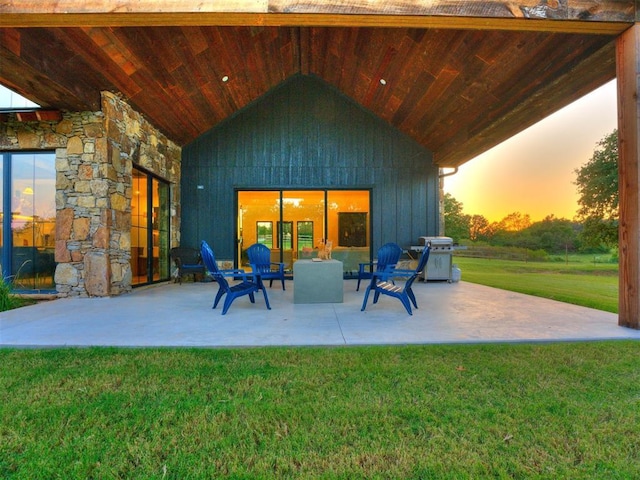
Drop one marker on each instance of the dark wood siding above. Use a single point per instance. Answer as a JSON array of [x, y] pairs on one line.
[[305, 134]]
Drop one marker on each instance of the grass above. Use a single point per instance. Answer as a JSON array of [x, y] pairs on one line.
[[551, 411], [8, 301], [580, 282]]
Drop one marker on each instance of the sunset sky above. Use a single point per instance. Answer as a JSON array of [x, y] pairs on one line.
[[533, 172]]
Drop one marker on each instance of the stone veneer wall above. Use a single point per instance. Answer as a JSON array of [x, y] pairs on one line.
[[133, 140], [95, 153]]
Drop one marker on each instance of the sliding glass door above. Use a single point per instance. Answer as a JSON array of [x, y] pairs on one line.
[[294, 222], [149, 229]]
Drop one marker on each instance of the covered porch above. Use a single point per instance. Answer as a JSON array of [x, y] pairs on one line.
[[458, 77], [174, 315]]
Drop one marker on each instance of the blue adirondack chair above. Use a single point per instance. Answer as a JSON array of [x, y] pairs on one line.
[[245, 287], [386, 260], [380, 285], [260, 261]]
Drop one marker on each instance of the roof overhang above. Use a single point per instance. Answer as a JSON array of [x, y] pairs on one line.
[[457, 76]]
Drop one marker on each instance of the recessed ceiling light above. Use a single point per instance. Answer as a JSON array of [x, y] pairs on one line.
[[383, 81], [225, 78]]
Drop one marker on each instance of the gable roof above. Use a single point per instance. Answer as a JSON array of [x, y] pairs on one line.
[[456, 92]]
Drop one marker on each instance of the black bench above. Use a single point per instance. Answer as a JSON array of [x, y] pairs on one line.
[[188, 262]]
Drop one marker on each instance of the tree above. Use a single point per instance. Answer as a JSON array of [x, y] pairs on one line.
[[456, 223], [506, 231], [479, 228], [515, 222], [597, 182], [553, 235]]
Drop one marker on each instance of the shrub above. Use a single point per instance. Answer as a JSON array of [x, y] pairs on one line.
[[8, 301], [537, 255], [479, 250]]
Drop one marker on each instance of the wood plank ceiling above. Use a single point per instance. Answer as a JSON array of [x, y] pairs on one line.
[[457, 92]]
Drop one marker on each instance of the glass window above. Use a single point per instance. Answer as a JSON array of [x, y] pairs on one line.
[[29, 231], [160, 221], [285, 235], [306, 209], [352, 229], [149, 229], [254, 207], [139, 229], [305, 237], [264, 233], [349, 216], [304, 218], [4, 158]]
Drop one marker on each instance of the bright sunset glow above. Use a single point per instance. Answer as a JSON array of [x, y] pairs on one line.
[[533, 172]]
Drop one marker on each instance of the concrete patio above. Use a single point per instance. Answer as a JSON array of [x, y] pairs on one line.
[[180, 315]]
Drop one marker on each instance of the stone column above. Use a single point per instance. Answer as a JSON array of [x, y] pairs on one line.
[[83, 219]]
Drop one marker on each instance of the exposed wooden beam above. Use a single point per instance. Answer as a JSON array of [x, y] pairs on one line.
[[548, 9], [571, 16], [135, 18], [601, 10], [628, 62]]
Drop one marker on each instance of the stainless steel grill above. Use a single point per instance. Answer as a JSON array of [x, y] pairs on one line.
[[440, 258]]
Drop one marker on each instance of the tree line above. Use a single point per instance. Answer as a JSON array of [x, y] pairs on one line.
[[594, 229]]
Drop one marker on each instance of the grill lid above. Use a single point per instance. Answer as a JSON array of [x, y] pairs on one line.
[[436, 241]]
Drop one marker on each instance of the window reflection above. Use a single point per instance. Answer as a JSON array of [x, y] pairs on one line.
[[304, 218], [32, 220], [149, 229], [265, 233]]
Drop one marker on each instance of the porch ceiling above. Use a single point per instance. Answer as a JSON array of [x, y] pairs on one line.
[[457, 92]]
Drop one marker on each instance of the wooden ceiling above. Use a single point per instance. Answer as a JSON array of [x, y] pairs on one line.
[[457, 92]]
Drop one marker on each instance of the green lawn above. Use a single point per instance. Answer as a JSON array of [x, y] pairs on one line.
[[580, 281], [566, 410]]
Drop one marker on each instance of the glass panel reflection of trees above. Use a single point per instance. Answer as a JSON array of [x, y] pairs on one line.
[[265, 233], [285, 235], [28, 232], [305, 236], [302, 219]]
